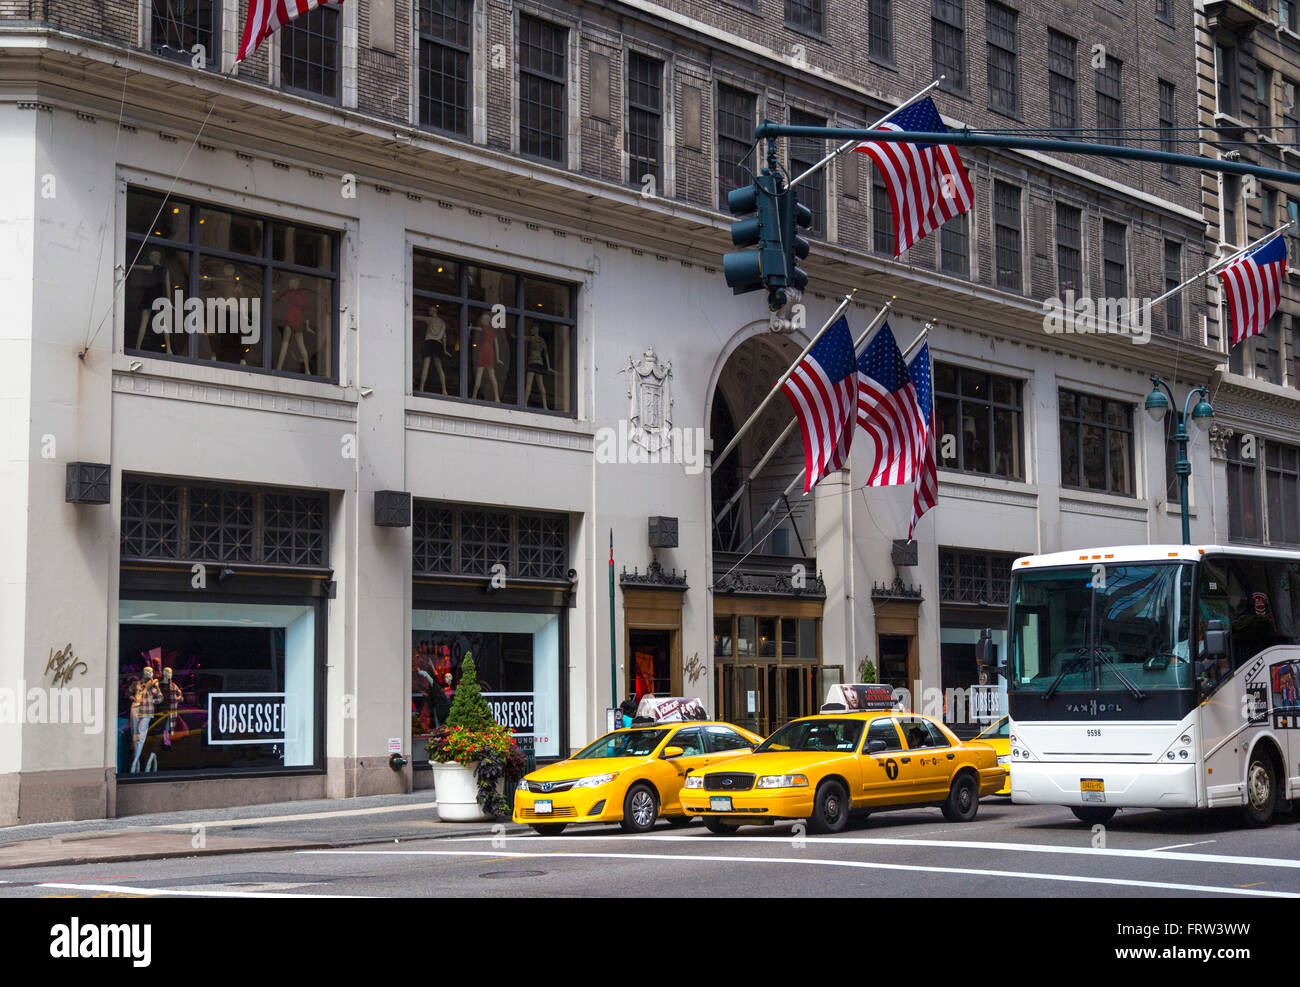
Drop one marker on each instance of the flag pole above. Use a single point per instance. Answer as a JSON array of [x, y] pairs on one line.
[[854, 143], [793, 422], [1220, 263], [735, 439]]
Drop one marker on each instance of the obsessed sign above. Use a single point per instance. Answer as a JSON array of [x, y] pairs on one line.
[[246, 718], [513, 710]]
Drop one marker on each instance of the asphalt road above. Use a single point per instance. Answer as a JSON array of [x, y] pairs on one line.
[[1008, 851]]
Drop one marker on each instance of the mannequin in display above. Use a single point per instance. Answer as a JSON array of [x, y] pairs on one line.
[[435, 347], [296, 325], [487, 355], [227, 347], [146, 699], [172, 697], [154, 283], [537, 358]]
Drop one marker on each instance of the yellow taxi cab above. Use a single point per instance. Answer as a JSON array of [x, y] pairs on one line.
[[821, 768], [998, 736], [630, 776]]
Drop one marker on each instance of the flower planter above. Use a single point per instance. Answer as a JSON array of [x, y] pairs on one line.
[[456, 790]]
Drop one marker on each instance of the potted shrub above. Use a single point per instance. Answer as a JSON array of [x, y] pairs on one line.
[[473, 756]]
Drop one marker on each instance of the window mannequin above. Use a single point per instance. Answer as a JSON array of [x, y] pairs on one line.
[[226, 347], [296, 325], [172, 697], [537, 358], [488, 355], [146, 698], [435, 347], [155, 282]]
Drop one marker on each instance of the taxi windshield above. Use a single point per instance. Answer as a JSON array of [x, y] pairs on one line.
[[840, 736], [632, 743]]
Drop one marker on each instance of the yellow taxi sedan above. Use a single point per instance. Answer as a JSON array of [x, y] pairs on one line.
[[630, 776], [821, 768], [998, 736]]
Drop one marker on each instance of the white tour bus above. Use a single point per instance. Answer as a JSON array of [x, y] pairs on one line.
[[1155, 676]]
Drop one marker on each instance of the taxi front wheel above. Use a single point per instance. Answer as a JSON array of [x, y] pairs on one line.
[[830, 808], [548, 829], [963, 800], [720, 828], [640, 809]]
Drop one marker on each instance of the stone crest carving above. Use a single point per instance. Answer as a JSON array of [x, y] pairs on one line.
[[1219, 436], [649, 391]]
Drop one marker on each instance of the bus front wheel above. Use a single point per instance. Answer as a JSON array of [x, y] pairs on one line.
[[1261, 790], [1093, 815]]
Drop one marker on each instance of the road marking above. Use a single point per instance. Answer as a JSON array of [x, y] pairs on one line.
[[262, 820], [121, 889], [1200, 858], [853, 864], [1257, 884], [1179, 846]]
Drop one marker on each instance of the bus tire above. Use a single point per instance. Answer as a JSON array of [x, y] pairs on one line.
[[1261, 790], [1093, 815]]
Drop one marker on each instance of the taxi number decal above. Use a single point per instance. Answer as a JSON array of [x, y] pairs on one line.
[[891, 769]]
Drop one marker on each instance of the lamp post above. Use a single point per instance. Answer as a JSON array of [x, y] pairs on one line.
[[1157, 404]]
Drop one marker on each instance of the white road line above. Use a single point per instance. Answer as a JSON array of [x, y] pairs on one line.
[[261, 820], [1179, 846], [815, 862], [123, 889], [1200, 858]]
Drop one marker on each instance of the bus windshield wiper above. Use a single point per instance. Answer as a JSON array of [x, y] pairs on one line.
[[1065, 668], [1134, 691]]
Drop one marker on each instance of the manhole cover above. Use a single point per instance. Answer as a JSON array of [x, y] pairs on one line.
[[500, 875]]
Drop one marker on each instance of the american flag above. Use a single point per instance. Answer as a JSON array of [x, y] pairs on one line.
[[926, 493], [889, 412], [822, 389], [267, 16], [927, 184], [1252, 287]]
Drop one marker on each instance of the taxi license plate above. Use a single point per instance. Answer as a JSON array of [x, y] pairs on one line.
[[1093, 789], [720, 803], [542, 807]]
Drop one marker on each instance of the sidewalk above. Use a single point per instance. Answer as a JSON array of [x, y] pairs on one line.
[[315, 824]]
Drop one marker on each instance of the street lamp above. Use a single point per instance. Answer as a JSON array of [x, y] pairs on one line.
[[1157, 404]]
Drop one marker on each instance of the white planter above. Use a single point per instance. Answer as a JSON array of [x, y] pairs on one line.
[[456, 790]]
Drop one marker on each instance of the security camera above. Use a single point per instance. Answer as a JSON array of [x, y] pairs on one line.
[[573, 577]]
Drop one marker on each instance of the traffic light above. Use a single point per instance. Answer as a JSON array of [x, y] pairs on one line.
[[750, 270], [794, 217]]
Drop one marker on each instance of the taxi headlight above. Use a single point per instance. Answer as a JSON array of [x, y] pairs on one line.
[[782, 781], [694, 781], [523, 785], [595, 781]]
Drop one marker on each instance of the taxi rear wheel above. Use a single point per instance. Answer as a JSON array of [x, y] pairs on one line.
[[963, 800], [830, 808], [640, 809], [548, 829], [720, 828]]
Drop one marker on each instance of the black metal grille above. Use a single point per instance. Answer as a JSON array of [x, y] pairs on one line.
[[182, 24], [981, 578], [542, 88], [453, 540], [171, 520], [445, 38], [729, 782], [735, 134], [551, 787], [644, 119], [309, 53]]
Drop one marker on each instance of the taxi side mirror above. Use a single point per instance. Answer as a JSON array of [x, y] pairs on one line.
[[876, 746], [672, 752]]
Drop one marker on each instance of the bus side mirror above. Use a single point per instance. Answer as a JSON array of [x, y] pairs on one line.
[[1216, 639]]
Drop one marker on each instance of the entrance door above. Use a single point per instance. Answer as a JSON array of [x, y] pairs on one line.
[[649, 671], [744, 696], [891, 669]]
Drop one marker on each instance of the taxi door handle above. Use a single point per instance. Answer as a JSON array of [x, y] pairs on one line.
[[951, 756], [906, 760]]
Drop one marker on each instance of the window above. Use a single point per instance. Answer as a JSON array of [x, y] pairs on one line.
[[1110, 101], [258, 293], [1061, 81], [645, 107], [881, 29], [1279, 521], [1231, 229], [1006, 227], [1114, 259], [882, 216], [182, 24], [309, 53], [983, 412], [722, 739], [1264, 100], [921, 733], [1286, 13], [1069, 249], [948, 42], [1268, 207], [807, 15], [1167, 123], [954, 247], [446, 35], [975, 578], [1000, 24], [805, 153], [489, 334], [882, 729], [542, 85], [1173, 306], [1165, 11], [1225, 61], [735, 140], [1282, 487], [1244, 520], [1096, 443], [1290, 114], [1266, 348]]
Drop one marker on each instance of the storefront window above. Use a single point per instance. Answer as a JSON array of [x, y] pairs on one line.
[[216, 687], [518, 660]]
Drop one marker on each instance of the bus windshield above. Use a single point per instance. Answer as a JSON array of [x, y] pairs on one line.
[[1114, 627]]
